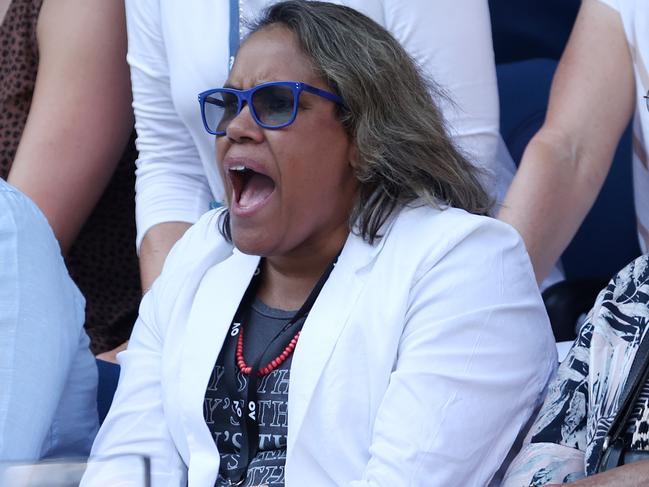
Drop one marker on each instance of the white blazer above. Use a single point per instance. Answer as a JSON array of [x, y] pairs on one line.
[[419, 364]]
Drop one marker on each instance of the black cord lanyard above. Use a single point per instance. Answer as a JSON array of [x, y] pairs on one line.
[[233, 37], [249, 424]]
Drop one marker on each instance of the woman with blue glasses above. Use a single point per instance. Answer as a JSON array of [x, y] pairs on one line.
[[350, 317], [178, 49]]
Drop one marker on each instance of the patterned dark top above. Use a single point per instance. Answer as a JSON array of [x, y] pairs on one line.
[[225, 397], [102, 261], [566, 441]]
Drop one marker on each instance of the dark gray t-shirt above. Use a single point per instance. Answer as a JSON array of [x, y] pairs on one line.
[[225, 396]]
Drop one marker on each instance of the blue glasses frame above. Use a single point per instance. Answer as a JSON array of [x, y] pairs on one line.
[[246, 96]]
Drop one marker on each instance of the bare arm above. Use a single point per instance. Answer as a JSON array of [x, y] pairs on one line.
[[80, 118], [565, 164], [172, 190], [155, 246]]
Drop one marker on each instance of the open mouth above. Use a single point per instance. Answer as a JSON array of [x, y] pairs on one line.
[[250, 187]]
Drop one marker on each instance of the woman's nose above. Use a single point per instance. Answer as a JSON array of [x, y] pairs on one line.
[[243, 126]]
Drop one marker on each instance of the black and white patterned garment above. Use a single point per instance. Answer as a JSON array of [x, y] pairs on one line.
[[638, 430], [565, 443]]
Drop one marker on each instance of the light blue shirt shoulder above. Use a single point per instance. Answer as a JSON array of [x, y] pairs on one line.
[[47, 372]]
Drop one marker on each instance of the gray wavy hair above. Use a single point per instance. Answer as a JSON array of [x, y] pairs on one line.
[[405, 154]]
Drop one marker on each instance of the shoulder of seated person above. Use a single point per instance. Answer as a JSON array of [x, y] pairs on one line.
[[201, 239], [201, 247], [10, 195], [624, 286], [207, 226], [426, 236], [446, 227], [24, 212]]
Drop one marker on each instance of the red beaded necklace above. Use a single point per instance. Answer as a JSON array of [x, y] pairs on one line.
[[272, 365], [301, 313], [249, 424]]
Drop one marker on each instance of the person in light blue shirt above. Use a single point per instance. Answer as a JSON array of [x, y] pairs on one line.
[[48, 376]]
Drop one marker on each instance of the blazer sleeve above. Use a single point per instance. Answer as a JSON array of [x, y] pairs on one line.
[[475, 356], [554, 451], [451, 42], [170, 180], [136, 422]]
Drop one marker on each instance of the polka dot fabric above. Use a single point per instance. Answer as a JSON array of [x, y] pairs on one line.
[[102, 261], [18, 65]]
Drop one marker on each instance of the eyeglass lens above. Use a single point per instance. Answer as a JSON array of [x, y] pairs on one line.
[[220, 109], [273, 106]]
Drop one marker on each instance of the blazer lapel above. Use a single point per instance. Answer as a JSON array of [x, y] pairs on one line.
[[321, 331], [214, 306], [211, 314]]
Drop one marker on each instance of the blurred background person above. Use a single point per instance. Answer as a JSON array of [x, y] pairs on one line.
[[65, 120], [599, 85]]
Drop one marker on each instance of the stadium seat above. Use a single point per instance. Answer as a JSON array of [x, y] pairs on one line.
[[108, 378], [526, 29]]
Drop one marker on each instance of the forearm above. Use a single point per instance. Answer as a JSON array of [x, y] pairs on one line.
[[155, 246], [553, 191], [67, 198], [591, 102], [80, 117]]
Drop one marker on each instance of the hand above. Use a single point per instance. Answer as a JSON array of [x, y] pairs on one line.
[[111, 356]]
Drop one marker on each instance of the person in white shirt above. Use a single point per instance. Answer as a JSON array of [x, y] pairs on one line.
[[392, 335]]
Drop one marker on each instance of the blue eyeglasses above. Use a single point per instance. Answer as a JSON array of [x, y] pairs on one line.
[[272, 105]]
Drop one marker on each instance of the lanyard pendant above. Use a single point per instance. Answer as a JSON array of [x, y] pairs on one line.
[[237, 483]]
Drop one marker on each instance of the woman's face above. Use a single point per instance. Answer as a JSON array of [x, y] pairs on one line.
[[298, 199]]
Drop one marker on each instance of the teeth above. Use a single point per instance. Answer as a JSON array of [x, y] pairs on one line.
[[238, 168]]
